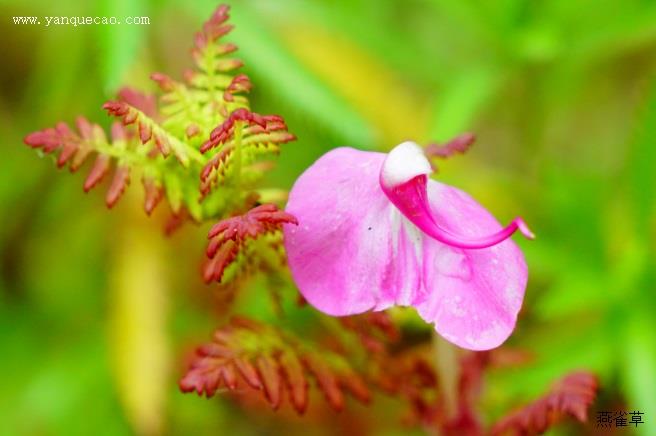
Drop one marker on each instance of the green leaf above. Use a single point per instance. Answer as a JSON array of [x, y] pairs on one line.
[[456, 108], [120, 43], [173, 190], [639, 363], [640, 165]]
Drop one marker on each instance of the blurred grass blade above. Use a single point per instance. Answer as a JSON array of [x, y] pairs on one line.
[[54, 77], [362, 80], [640, 165], [138, 322], [120, 43], [626, 31], [456, 107], [639, 373]]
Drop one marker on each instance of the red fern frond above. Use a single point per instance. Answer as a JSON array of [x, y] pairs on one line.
[[145, 103], [334, 384], [213, 30], [130, 115], [165, 83], [257, 221], [74, 149], [272, 361], [260, 134], [570, 396], [154, 193], [176, 220], [458, 145], [375, 330], [98, 171], [119, 184], [240, 83], [295, 380], [214, 165], [228, 236], [255, 124], [214, 27], [409, 375], [222, 256], [192, 130]]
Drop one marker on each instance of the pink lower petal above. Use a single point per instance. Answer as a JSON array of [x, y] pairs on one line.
[[475, 294], [353, 251]]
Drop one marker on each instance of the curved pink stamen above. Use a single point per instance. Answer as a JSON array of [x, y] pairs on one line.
[[412, 200]]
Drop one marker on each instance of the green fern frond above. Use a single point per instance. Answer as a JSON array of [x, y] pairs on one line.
[[210, 93], [150, 132], [183, 125]]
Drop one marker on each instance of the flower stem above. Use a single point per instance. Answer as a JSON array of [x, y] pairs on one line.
[[447, 362]]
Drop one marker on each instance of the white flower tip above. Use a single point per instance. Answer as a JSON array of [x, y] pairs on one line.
[[524, 229], [405, 162]]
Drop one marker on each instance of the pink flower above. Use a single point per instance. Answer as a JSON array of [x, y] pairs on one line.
[[374, 232]]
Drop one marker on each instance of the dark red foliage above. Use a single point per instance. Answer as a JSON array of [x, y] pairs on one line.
[[266, 359], [270, 375], [409, 375], [74, 149], [61, 138], [213, 164], [255, 123], [240, 83], [256, 131], [164, 82], [227, 236], [223, 256], [458, 145], [154, 194], [374, 329], [145, 103], [257, 221], [570, 396], [213, 29], [51, 139], [100, 167], [335, 385], [130, 115], [119, 183], [295, 381], [176, 220], [121, 109], [192, 130]]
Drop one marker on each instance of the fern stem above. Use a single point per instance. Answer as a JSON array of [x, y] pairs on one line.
[[237, 160]]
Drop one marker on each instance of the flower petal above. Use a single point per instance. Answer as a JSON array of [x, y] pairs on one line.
[[475, 294], [343, 242], [354, 251]]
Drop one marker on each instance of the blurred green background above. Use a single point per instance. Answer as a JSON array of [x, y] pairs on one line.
[[97, 310]]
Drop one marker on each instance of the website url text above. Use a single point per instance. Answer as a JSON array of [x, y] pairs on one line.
[[80, 21]]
